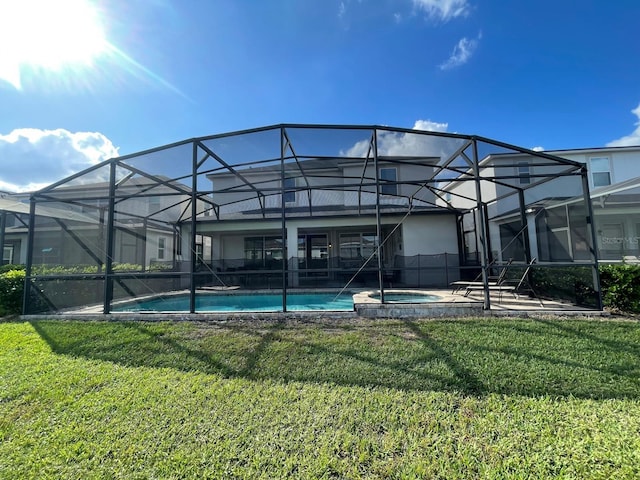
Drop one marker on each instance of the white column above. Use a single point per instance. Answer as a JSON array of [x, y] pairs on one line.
[[533, 237], [292, 252]]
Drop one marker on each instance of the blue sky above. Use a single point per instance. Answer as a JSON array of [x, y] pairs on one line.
[[551, 74]]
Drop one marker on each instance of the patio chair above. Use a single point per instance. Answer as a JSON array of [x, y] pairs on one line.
[[493, 279], [515, 286]]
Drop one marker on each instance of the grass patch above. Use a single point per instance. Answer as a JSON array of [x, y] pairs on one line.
[[396, 399]]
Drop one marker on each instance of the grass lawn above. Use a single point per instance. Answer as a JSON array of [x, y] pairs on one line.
[[476, 398]]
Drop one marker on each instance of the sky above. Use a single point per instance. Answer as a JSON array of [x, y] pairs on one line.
[[86, 80]]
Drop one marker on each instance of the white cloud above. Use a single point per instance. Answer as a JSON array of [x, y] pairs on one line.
[[341, 10], [633, 138], [462, 52], [31, 158], [359, 149], [430, 126], [538, 149], [443, 10], [407, 144]]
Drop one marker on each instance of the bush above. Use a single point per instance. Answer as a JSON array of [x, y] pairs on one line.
[[9, 267], [126, 267], [11, 291], [567, 283], [63, 269], [53, 270], [621, 287]]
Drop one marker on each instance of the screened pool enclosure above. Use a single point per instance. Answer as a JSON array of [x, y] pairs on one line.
[[297, 208]]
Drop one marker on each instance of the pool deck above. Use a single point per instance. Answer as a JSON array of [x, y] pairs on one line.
[[450, 305], [457, 305]]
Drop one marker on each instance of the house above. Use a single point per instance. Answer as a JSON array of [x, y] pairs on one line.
[[332, 214]]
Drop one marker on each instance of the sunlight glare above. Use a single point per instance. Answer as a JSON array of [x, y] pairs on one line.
[[47, 34]]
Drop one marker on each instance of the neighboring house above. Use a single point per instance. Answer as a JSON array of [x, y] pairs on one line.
[[614, 180], [70, 230], [14, 222], [555, 216]]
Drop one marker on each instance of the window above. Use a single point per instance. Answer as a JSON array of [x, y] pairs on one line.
[[154, 204], [7, 255], [512, 241], [260, 252], [128, 246], [289, 193], [162, 243], [254, 251], [313, 254], [554, 242], [600, 171], [612, 240], [350, 245], [524, 173], [388, 175], [357, 245], [178, 246]]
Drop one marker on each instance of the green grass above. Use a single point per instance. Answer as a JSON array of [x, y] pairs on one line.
[[394, 399]]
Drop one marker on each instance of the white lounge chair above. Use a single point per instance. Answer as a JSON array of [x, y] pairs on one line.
[[493, 280], [512, 286]]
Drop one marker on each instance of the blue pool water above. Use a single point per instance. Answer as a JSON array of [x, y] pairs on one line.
[[242, 303], [408, 298]]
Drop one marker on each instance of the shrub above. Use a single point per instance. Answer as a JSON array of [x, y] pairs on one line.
[[568, 283], [621, 287], [11, 291], [63, 269], [53, 270], [9, 267], [126, 267]]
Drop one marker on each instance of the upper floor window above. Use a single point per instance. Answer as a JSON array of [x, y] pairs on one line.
[[289, 193], [524, 173], [154, 204], [388, 175], [600, 171]]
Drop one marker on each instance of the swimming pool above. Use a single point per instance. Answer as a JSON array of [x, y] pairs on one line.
[[408, 297], [242, 303]]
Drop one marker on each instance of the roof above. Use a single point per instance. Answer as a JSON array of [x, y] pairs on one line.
[[593, 149], [616, 188], [16, 206]]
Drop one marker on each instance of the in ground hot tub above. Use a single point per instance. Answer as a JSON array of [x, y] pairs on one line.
[[407, 297]]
